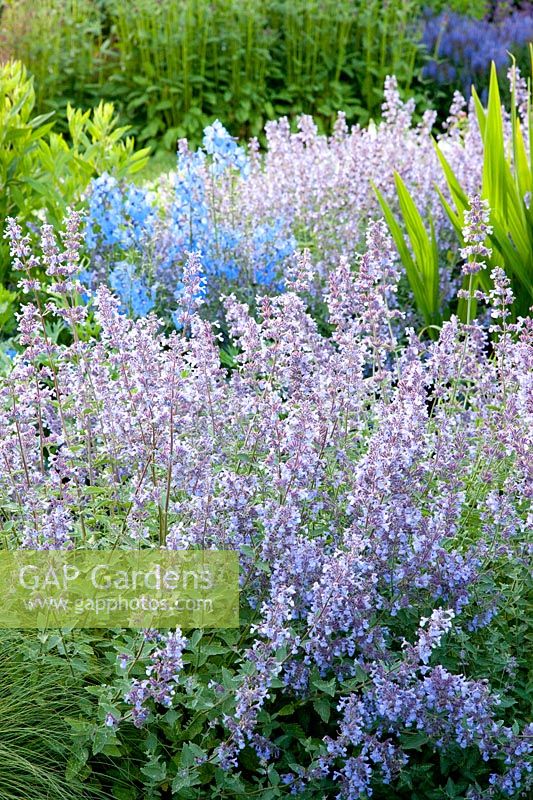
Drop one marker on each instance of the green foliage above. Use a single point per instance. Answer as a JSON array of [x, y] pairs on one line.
[[7, 311], [38, 695], [470, 8], [171, 66], [43, 172], [421, 259], [508, 186], [19, 138], [171, 756], [57, 40]]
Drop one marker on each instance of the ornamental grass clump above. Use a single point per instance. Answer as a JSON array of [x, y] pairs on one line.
[[378, 494], [39, 696]]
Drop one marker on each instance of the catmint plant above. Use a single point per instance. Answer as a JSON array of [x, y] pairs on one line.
[[377, 489]]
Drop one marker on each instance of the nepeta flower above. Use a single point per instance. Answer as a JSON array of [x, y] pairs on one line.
[[431, 634], [163, 672], [475, 231]]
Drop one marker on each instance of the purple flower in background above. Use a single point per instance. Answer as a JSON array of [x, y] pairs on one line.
[[461, 48]]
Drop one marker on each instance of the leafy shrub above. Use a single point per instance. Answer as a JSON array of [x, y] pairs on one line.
[[378, 495], [20, 135], [40, 171]]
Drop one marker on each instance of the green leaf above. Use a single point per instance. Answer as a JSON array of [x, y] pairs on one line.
[[414, 741], [286, 711], [328, 687], [189, 753], [422, 267], [155, 770], [459, 196], [322, 707], [425, 252]]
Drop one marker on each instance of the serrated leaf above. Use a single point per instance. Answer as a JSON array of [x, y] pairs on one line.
[[328, 687], [155, 770], [322, 708], [414, 741]]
